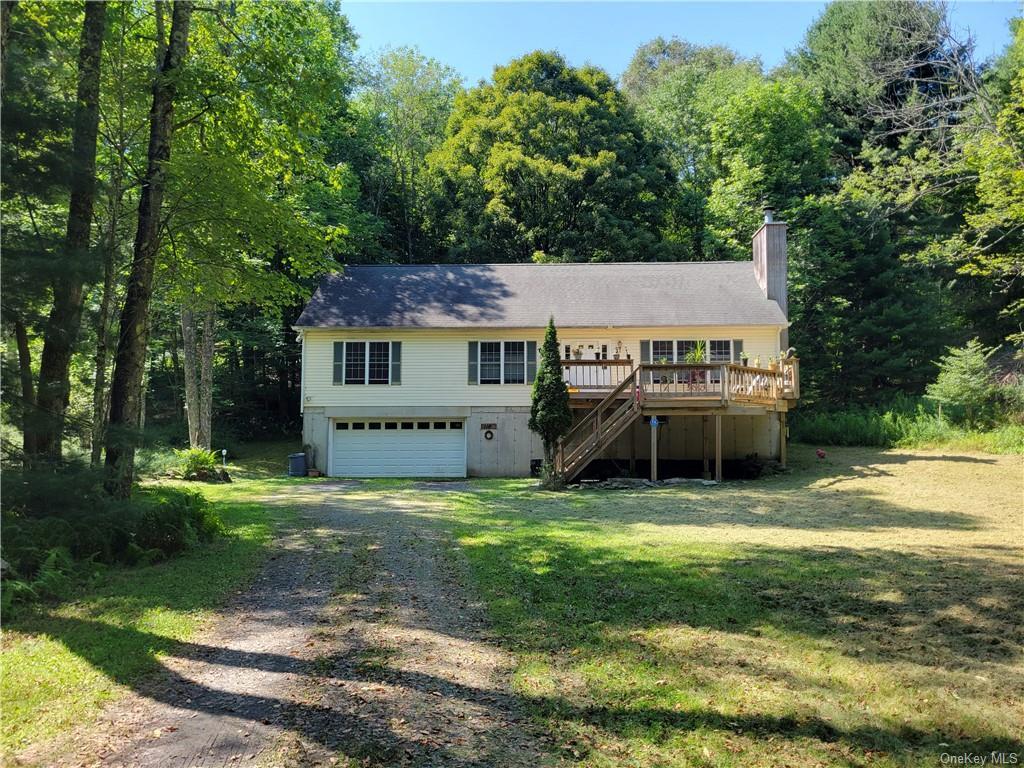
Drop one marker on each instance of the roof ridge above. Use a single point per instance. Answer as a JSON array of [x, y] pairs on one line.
[[549, 264]]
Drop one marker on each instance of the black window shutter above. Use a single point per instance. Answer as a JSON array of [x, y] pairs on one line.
[[396, 362], [645, 351], [474, 376], [737, 350], [339, 362], [531, 361]]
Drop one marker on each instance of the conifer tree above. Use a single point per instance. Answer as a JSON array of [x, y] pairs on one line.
[[550, 416]]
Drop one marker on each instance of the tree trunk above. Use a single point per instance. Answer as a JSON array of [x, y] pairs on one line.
[[198, 379], [28, 397], [6, 8], [205, 437], [284, 371], [68, 294], [99, 389], [189, 354], [125, 391]]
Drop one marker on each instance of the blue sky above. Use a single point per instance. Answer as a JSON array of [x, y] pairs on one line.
[[474, 36]]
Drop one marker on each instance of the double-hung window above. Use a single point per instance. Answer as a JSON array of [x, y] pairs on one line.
[[367, 362], [490, 362], [514, 369], [502, 362], [378, 369], [355, 362]]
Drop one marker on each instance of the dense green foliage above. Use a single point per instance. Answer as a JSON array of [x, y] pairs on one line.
[[548, 162], [54, 523], [893, 155], [904, 424]]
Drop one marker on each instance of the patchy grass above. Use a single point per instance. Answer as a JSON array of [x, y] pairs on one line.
[[61, 662], [862, 610]]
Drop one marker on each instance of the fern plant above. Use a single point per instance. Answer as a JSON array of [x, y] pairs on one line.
[[196, 461]]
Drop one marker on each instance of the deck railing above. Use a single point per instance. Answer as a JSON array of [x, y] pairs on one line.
[[686, 381], [682, 380], [758, 386], [586, 375]]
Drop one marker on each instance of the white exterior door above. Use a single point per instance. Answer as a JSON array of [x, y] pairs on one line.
[[398, 448]]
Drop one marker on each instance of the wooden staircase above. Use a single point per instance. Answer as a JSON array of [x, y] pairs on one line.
[[596, 431]]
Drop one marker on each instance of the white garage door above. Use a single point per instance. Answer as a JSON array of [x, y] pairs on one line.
[[398, 448]]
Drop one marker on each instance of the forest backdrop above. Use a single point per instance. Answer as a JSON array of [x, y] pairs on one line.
[[175, 177]]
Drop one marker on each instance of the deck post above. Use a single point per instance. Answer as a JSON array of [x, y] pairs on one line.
[[718, 447], [782, 438], [654, 453], [706, 474], [632, 451]]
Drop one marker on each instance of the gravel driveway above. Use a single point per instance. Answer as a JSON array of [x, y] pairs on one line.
[[356, 645]]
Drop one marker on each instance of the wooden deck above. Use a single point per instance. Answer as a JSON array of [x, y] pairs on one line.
[[657, 387], [616, 393]]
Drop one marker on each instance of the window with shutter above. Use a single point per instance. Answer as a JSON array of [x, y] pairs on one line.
[[355, 362], [378, 367], [514, 362], [490, 362]]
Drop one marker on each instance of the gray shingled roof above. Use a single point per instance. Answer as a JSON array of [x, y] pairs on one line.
[[525, 295]]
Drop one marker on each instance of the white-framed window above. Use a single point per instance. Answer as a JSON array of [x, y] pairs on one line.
[[367, 362], [514, 362], [490, 362], [502, 362]]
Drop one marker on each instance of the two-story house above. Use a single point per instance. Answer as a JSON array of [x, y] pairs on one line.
[[426, 370]]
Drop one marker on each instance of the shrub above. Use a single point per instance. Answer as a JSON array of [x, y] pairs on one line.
[[58, 525], [196, 462], [906, 423], [966, 384]]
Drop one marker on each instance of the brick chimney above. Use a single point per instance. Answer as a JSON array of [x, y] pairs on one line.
[[770, 263]]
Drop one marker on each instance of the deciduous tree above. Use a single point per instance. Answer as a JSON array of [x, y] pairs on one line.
[[126, 386], [548, 162]]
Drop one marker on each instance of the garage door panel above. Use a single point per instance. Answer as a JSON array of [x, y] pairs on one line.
[[397, 452]]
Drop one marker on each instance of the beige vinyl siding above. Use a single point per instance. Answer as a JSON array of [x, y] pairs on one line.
[[434, 362]]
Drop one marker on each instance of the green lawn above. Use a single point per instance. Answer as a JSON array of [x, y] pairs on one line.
[[60, 663], [863, 610]]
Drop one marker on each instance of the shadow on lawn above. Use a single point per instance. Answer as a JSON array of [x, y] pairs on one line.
[[873, 604], [329, 726], [552, 593]]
